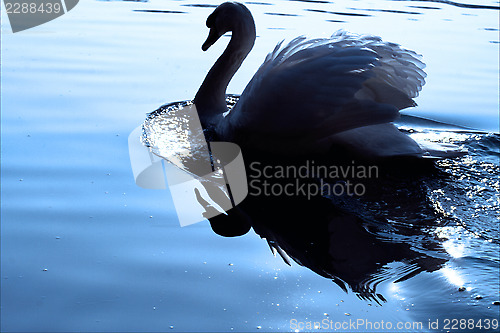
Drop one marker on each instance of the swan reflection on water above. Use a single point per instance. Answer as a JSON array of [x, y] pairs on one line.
[[333, 242]]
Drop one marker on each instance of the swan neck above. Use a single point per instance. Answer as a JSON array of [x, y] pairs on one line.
[[210, 99]]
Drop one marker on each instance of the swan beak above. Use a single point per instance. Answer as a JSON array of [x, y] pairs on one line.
[[213, 36]]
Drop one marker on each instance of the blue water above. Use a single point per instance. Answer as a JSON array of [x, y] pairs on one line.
[[84, 249]]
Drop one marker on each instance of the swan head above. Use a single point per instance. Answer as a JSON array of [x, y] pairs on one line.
[[229, 16], [210, 99]]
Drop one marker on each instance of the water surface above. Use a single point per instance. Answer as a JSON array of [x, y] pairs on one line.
[[84, 249]]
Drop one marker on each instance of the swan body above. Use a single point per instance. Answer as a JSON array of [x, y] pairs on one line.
[[312, 93]]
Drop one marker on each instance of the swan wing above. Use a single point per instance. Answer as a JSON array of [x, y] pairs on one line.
[[313, 88], [376, 141]]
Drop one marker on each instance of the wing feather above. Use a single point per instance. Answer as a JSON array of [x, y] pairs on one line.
[[313, 88]]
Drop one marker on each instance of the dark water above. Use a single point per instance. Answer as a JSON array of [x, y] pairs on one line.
[[424, 231], [84, 249]]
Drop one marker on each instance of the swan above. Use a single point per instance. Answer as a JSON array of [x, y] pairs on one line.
[[312, 94]]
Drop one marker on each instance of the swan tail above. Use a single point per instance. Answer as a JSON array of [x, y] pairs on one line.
[[376, 141]]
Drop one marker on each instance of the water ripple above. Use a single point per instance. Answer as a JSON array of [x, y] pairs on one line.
[[200, 5], [281, 14], [335, 13], [457, 4], [159, 11]]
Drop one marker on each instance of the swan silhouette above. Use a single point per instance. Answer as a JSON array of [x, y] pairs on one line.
[[312, 94]]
